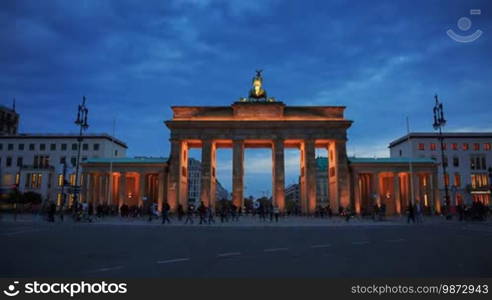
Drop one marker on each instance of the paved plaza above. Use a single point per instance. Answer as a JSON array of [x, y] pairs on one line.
[[295, 247]]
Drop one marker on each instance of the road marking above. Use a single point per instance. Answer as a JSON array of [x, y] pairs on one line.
[[396, 241], [228, 254], [170, 261], [320, 246], [106, 269], [22, 231], [360, 243], [275, 249]]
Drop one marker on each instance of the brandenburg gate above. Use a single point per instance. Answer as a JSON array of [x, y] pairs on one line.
[[259, 122]]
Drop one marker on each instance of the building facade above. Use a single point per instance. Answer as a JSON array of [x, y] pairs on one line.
[[36, 162], [467, 157]]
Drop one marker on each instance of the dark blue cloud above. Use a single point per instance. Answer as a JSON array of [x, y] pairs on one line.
[[384, 60]]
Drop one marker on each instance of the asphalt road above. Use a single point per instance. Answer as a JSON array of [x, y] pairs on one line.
[[97, 250]]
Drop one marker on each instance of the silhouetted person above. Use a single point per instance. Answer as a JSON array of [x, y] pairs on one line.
[[165, 213], [180, 212], [202, 211], [276, 213], [411, 213], [189, 214]]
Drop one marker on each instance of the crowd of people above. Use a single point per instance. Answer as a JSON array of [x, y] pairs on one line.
[[226, 211]]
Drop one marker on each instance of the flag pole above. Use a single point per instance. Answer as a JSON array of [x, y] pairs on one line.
[[110, 182], [412, 198]]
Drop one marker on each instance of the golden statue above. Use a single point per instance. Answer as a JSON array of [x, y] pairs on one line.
[[257, 93]]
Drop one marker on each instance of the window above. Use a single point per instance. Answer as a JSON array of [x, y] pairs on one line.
[[96, 147], [53, 147], [445, 161], [465, 147], [72, 179], [10, 147], [84, 158], [487, 146], [73, 160], [8, 162], [74, 146], [41, 161], [421, 146], [456, 162], [42, 147], [446, 179], [34, 180], [63, 160], [454, 146], [479, 180], [64, 147], [115, 152], [60, 179], [433, 147], [85, 147], [476, 147], [400, 153], [443, 146], [19, 161], [457, 180], [31, 147], [21, 147], [478, 162]]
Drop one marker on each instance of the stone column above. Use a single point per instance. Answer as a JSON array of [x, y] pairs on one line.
[[122, 189], [435, 193], [310, 163], [85, 189], [90, 188], [338, 175], [207, 186], [278, 170], [160, 191], [238, 172], [302, 187], [141, 192], [396, 191], [177, 191], [357, 192], [416, 188], [375, 189]]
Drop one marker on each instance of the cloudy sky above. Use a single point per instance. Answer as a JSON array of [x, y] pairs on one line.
[[384, 60]]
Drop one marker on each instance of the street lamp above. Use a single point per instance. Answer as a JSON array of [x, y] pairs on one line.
[[82, 123], [439, 123]]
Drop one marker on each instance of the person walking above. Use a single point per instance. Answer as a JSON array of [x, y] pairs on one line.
[[276, 212], [411, 213], [202, 212], [210, 215], [418, 213], [180, 212], [165, 213], [189, 214]]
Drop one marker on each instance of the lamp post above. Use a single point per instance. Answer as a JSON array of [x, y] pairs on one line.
[[439, 123], [82, 123]]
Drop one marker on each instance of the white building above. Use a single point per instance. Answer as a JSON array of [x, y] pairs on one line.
[[194, 183], [466, 155], [35, 162]]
